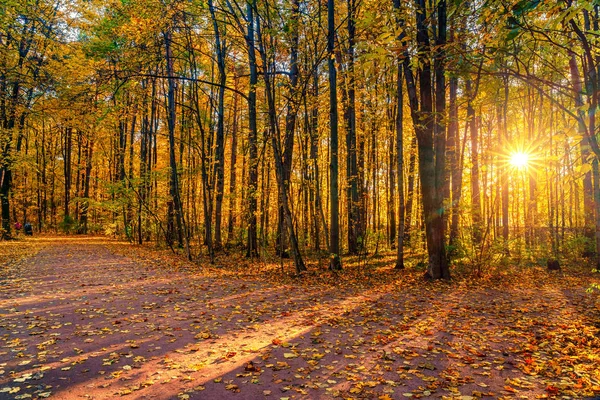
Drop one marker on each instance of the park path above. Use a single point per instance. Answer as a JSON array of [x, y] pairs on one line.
[[90, 318]]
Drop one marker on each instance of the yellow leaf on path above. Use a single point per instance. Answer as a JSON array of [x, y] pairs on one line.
[[290, 355]]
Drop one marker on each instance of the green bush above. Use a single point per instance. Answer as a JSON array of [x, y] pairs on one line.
[[576, 246], [68, 225]]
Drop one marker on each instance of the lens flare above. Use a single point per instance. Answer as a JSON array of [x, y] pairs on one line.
[[519, 160]]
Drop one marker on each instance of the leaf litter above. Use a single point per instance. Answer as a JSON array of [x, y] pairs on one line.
[[87, 317]]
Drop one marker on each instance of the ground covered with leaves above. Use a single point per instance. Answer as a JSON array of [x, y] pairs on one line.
[[91, 318]]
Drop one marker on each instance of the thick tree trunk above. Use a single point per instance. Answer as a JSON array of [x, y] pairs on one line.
[[584, 149], [424, 123]]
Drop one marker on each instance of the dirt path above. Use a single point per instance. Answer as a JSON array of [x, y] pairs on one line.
[[79, 320]]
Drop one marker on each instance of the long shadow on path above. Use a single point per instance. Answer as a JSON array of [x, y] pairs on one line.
[[83, 322]]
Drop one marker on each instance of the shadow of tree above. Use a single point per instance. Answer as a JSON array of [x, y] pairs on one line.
[[86, 321]]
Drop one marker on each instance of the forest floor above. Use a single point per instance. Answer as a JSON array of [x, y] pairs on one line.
[[91, 318]]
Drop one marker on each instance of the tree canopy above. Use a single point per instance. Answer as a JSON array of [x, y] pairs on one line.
[[461, 130]]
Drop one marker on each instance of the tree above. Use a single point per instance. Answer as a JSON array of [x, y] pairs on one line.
[[334, 232], [431, 156]]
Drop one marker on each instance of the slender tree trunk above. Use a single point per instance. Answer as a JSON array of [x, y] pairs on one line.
[[334, 233], [252, 243], [454, 161], [503, 114], [174, 191], [353, 207], [476, 215], [290, 126], [410, 190], [219, 165], [68, 144], [400, 161], [279, 161], [319, 214], [232, 171]]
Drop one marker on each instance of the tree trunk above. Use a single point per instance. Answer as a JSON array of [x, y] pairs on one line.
[[174, 191], [83, 219], [290, 126], [584, 149], [503, 115], [424, 123], [454, 161], [232, 167], [353, 207], [334, 233], [252, 242], [475, 185], [219, 165], [400, 160], [68, 144], [281, 174], [410, 189]]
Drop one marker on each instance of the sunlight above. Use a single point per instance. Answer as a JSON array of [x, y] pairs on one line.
[[519, 159]]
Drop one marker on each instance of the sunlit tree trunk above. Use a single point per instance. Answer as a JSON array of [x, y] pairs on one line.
[[503, 125], [454, 161]]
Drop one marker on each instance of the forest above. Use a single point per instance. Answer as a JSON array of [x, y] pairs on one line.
[[299, 199], [455, 130]]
